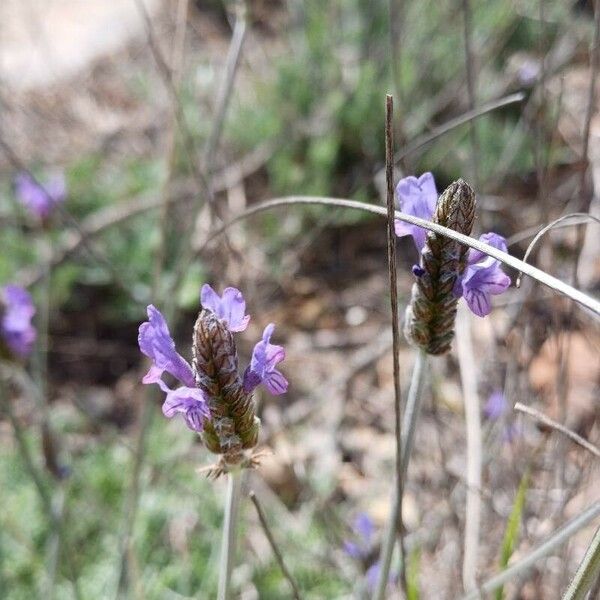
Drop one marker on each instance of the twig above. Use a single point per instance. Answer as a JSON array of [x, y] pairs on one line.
[[467, 362], [411, 414], [580, 219], [583, 216], [391, 247], [548, 422], [427, 138], [224, 94], [470, 72], [581, 298], [559, 537], [274, 547], [232, 503], [586, 574]]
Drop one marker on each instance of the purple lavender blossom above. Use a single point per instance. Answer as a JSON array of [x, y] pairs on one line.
[[40, 199], [265, 358], [16, 312], [364, 530], [230, 307], [483, 277], [496, 406], [416, 197], [156, 343], [362, 547]]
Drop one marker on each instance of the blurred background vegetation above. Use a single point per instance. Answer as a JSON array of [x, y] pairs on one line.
[[123, 98]]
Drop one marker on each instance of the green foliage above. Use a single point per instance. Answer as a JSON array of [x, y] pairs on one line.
[[511, 534]]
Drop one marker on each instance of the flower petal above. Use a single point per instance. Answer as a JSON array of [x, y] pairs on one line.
[[188, 401], [15, 325], [230, 308], [490, 238], [155, 341], [416, 197], [265, 357]]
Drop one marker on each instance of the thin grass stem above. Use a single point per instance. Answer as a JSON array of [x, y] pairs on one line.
[[468, 376], [411, 415], [232, 504], [559, 537], [588, 571], [588, 302]]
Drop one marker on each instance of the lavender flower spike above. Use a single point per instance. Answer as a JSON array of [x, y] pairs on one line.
[[39, 199], [416, 197], [156, 342], [262, 369], [483, 277], [230, 308], [16, 312]]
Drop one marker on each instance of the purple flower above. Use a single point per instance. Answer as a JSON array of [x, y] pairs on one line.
[[416, 197], [265, 358], [230, 308], [156, 342], [16, 312], [483, 277], [364, 530], [496, 406], [40, 199]]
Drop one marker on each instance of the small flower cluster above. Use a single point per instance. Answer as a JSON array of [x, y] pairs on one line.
[[17, 334], [213, 399], [40, 199], [483, 276]]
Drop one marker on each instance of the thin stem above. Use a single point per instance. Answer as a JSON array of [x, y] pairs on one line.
[[563, 534], [278, 555], [581, 298], [468, 376], [232, 503], [548, 422], [411, 415], [587, 572]]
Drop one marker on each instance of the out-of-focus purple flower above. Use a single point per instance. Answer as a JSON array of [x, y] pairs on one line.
[[265, 358], [156, 342], [40, 198], [416, 197], [364, 530], [230, 307], [496, 406], [362, 546], [483, 277], [16, 311]]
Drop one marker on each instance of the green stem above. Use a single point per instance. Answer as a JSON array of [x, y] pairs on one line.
[[232, 503], [587, 572], [411, 415]]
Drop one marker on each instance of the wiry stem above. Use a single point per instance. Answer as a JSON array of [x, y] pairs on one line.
[[587, 572], [232, 503], [468, 376], [411, 414], [527, 562]]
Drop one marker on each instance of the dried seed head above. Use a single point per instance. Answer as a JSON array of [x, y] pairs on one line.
[[233, 426], [429, 321]]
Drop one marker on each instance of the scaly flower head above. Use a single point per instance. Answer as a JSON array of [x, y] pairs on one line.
[[214, 399], [40, 199], [16, 312]]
